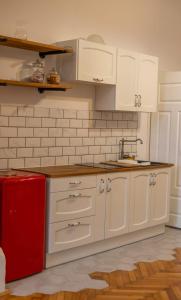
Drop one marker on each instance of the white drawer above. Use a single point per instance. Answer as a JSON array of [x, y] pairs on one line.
[[69, 234], [71, 183], [69, 205]]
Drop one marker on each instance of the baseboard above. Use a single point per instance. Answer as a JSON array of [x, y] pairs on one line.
[[175, 221], [101, 246]]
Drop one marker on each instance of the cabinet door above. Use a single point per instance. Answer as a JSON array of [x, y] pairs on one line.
[[126, 89], [117, 200], [148, 83], [160, 198], [139, 201], [96, 61]]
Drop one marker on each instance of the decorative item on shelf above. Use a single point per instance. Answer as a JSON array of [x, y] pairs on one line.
[[53, 77], [26, 72], [38, 73], [21, 32]]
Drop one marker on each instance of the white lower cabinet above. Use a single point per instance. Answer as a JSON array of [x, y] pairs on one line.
[[117, 200], [149, 200], [121, 202], [139, 210], [160, 190]]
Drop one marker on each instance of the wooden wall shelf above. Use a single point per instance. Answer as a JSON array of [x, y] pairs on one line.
[[43, 49], [63, 86]]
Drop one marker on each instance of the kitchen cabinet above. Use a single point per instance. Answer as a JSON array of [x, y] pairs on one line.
[[91, 62], [160, 190], [139, 201], [136, 86], [117, 200], [149, 200]]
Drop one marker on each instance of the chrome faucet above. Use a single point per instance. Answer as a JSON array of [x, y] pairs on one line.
[[122, 143]]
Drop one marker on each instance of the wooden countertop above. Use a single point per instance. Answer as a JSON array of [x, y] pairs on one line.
[[65, 171]]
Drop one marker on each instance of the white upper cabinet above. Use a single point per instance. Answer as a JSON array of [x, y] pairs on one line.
[[90, 62], [136, 85], [148, 83]]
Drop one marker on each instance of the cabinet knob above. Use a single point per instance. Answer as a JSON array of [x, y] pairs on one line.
[[109, 185], [136, 100]]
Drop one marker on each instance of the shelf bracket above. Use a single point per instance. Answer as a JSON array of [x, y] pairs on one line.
[[3, 40], [42, 90], [43, 54]]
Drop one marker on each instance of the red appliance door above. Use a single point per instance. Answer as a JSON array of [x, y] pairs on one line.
[[23, 226]]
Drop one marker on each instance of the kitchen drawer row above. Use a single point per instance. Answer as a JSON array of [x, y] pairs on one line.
[[87, 209]]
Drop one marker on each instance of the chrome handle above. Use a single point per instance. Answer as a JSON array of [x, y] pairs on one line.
[[75, 195], [139, 101], [151, 179], [109, 185], [75, 182], [98, 79], [95, 79], [101, 186], [74, 224], [136, 100]]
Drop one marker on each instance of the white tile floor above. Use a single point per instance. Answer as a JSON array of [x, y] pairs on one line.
[[74, 276]]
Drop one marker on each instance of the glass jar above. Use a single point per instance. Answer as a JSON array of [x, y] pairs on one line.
[[26, 72], [53, 77], [38, 73]]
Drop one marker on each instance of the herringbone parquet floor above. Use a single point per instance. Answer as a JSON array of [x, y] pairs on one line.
[[158, 280]]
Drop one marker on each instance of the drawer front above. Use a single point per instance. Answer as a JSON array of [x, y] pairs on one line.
[[69, 234], [71, 205], [71, 183]]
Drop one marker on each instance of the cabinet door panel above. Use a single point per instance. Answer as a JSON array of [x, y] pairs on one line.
[[140, 201], [96, 61], [69, 234], [117, 200], [127, 68], [148, 82], [160, 198]]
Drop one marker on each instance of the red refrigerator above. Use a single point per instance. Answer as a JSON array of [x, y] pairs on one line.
[[22, 222]]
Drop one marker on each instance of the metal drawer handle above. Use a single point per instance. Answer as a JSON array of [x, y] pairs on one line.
[[101, 186], [109, 185], [96, 79], [75, 182], [74, 224], [139, 101], [75, 195]]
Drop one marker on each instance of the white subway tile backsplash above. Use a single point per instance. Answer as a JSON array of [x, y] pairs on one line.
[[41, 132], [62, 142], [4, 143], [48, 122], [41, 112], [16, 163], [26, 111], [41, 136], [17, 121], [33, 142], [75, 142], [3, 121], [32, 162], [9, 110], [62, 160], [68, 150], [25, 132], [69, 132], [63, 123], [55, 151], [48, 142], [39, 152], [24, 152], [8, 131], [70, 114], [76, 123], [33, 122], [4, 163]]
